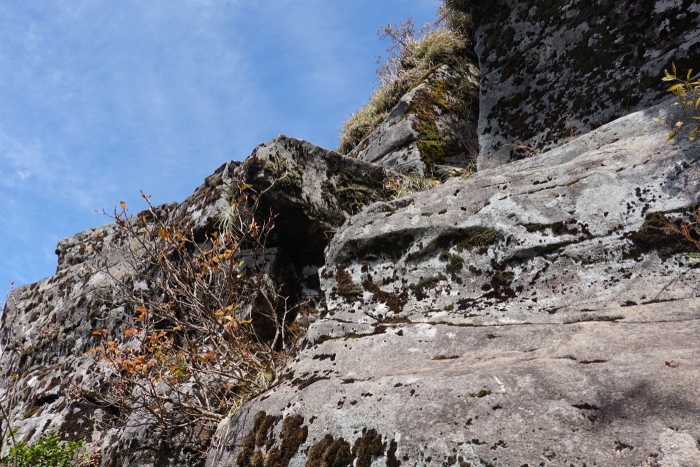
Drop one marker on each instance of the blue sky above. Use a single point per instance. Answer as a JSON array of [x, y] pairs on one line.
[[102, 98]]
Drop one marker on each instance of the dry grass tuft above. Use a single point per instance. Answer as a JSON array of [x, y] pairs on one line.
[[411, 57]]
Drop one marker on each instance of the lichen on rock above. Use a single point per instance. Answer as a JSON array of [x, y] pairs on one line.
[[554, 70]]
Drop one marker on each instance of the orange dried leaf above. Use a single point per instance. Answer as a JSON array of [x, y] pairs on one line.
[[143, 313]]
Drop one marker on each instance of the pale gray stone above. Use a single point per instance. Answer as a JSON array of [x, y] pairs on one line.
[[567, 338]]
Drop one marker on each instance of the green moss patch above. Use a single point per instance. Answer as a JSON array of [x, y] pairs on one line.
[[455, 264], [330, 452], [366, 446], [438, 98]]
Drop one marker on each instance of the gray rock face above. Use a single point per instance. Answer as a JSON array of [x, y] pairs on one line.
[[46, 332], [511, 239], [552, 71], [537, 314], [432, 124], [47, 326]]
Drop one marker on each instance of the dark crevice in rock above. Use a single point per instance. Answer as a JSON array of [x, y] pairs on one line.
[[654, 235]]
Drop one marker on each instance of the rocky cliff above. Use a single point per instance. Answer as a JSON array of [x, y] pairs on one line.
[[551, 71], [532, 315], [48, 327], [432, 125], [538, 313]]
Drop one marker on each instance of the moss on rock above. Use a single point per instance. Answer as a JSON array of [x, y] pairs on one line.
[[330, 452], [346, 287], [654, 235], [260, 448], [426, 283]]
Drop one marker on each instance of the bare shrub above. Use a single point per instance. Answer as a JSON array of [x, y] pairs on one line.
[[209, 330], [687, 226]]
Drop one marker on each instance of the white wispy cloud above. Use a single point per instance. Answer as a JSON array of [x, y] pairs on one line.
[[20, 161]]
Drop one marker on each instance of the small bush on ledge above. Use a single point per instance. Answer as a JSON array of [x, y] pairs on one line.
[[48, 451], [687, 92]]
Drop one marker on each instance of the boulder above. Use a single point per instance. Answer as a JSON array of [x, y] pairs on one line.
[[433, 124], [555, 70], [320, 191], [537, 314], [47, 326]]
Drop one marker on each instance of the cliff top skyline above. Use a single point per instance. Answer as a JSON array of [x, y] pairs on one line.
[[101, 100]]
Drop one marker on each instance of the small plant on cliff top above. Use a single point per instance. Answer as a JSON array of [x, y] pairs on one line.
[[412, 54], [687, 92], [209, 331]]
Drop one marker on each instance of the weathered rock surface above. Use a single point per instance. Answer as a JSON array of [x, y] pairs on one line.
[[434, 123], [321, 190], [534, 314], [537, 314], [46, 326], [553, 70]]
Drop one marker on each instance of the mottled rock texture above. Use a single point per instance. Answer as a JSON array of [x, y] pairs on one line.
[[552, 70], [320, 191], [536, 314], [46, 326], [433, 124]]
